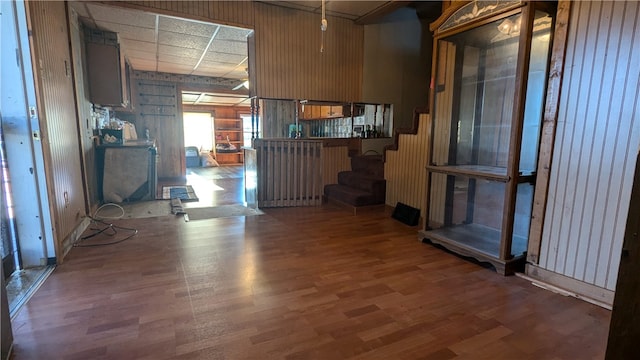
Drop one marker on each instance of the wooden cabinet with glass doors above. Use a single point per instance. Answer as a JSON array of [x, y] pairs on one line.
[[490, 68]]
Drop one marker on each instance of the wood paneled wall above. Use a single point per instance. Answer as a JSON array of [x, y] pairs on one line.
[[598, 135], [289, 64], [404, 169], [58, 117], [235, 13], [288, 61], [157, 108], [334, 160], [275, 117]]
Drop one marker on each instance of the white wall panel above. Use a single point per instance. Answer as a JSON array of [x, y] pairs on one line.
[[597, 138]]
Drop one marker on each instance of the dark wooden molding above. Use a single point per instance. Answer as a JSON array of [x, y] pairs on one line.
[[413, 130]]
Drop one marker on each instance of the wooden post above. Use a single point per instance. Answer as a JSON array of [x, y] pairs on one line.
[[556, 70], [624, 330]]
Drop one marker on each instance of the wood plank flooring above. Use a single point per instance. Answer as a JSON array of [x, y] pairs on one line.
[[294, 283]]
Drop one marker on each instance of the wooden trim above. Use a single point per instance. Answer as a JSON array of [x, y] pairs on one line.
[[581, 290], [515, 141], [451, 8], [413, 130], [549, 124], [149, 8]]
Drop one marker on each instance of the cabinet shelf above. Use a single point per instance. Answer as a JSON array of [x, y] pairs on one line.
[[229, 130], [494, 173]]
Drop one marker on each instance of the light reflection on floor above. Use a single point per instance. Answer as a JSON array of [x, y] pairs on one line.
[[216, 186], [22, 283]]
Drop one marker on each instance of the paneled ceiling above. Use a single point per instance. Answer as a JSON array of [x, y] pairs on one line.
[[159, 43]]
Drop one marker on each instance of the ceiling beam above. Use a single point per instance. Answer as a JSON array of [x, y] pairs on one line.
[[385, 9]]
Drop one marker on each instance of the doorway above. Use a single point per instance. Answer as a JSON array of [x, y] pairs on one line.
[[27, 239], [215, 185]]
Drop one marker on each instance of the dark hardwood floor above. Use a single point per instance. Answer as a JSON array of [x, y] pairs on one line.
[[294, 283]]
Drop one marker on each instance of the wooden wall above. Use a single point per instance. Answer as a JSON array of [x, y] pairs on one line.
[[235, 13], [275, 117], [86, 122], [404, 169], [288, 61], [289, 64], [157, 108], [395, 49], [598, 135], [334, 160], [58, 117]]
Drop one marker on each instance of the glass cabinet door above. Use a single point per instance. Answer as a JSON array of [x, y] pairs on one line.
[[490, 82]]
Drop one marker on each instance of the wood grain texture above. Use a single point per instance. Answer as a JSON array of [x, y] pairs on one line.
[[157, 108], [549, 123], [294, 283], [404, 169], [58, 117], [334, 160], [289, 172], [624, 332], [287, 62]]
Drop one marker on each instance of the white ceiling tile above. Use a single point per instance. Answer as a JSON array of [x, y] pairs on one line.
[[227, 59], [128, 31], [179, 51], [178, 60], [118, 15], [231, 33], [183, 26], [174, 68], [135, 45], [229, 47], [183, 40], [143, 64]]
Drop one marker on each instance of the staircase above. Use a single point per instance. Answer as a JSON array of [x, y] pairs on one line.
[[363, 186]]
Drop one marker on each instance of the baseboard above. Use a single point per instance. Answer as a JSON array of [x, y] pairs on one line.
[[569, 286], [69, 241]]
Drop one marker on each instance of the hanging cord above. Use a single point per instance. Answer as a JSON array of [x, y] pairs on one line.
[[108, 229], [323, 26]]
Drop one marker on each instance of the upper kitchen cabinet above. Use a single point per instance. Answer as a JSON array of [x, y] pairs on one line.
[[316, 111], [107, 69], [490, 66]]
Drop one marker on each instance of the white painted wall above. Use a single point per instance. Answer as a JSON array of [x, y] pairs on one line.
[[597, 139]]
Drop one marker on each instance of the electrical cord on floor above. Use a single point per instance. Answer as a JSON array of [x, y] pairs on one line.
[[109, 229], [95, 214]]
